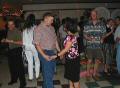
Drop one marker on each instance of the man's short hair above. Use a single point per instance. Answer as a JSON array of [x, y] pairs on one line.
[[10, 20], [48, 14]]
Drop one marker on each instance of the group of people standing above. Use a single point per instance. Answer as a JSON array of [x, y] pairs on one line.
[[40, 44]]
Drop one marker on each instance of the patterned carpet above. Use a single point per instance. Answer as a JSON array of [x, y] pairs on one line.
[[112, 81]]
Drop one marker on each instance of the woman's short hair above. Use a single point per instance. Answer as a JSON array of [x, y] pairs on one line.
[[71, 26]]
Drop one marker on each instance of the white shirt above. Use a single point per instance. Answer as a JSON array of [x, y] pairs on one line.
[[28, 38]]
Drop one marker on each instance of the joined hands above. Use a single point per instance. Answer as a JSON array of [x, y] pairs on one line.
[[49, 58], [53, 57]]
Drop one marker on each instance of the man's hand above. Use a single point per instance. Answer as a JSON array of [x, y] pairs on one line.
[[47, 57], [3, 40], [102, 40], [53, 57], [93, 39], [6, 41], [9, 41]]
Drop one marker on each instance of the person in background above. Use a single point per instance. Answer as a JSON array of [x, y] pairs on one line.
[[108, 45], [29, 48], [45, 40], [70, 50], [62, 32], [117, 41], [94, 32], [56, 23], [80, 39], [15, 60], [3, 34]]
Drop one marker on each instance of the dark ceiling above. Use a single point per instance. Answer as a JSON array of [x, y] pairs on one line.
[[57, 1]]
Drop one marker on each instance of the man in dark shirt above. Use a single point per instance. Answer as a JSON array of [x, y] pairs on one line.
[[15, 61]]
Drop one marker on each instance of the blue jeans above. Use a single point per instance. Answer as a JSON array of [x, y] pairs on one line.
[[118, 57], [48, 69]]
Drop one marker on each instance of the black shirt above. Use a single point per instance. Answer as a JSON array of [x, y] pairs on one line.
[[110, 38]]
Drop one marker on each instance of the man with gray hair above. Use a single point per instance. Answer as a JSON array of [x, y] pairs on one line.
[[94, 32]]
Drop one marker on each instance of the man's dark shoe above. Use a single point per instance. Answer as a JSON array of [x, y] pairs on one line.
[[0, 84], [12, 82]]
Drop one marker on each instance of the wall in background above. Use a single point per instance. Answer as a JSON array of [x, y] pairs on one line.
[[74, 10]]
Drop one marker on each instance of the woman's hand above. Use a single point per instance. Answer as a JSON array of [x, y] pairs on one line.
[[61, 57]]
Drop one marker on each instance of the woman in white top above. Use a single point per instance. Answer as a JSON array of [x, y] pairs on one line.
[[30, 50]]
